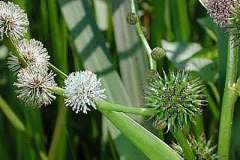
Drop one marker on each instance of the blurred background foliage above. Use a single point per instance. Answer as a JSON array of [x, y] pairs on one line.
[[94, 34]]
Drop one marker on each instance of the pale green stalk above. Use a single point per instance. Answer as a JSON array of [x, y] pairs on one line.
[[126, 109], [228, 102], [152, 63], [11, 46], [114, 107], [182, 140]]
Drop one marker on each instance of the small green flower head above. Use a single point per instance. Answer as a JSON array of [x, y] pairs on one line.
[[132, 18], [138, 1], [159, 124], [157, 53], [177, 98], [151, 76], [220, 11], [202, 149], [145, 31]]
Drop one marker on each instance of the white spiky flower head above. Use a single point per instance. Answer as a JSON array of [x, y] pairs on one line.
[[13, 21], [82, 89], [33, 84], [32, 51]]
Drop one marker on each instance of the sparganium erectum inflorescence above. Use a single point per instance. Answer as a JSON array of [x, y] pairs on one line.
[[202, 149], [33, 84], [82, 90], [226, 13], [13, 21], [177, 99], [221, 11], [32, 51]]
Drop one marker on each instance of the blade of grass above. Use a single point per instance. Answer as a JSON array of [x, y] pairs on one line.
[[12, 117], [181, 23], [58, 148], [150, 145], [158, 22]]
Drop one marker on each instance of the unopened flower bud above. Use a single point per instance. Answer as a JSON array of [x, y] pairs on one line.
[[132, 18], [157, 53], [159, 124], [138, 1], [151, 76], [144, 31]]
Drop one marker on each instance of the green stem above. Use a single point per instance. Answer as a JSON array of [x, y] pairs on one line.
[[126, 109], [212, 106], [198, 128], [61, 74], [181, 138], [114, 107], [57, 90], [152, 63], [11, 46], [229, 100], [57, 134], [215, 91]]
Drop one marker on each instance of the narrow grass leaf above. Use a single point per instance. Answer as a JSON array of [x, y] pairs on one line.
[[12, 117], [150, 145]]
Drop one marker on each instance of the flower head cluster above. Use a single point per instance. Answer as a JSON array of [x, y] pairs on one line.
[[177, 99], [13, 21], [33, 84], [221, 10], [82, 90], [202, 149], [32, 51]]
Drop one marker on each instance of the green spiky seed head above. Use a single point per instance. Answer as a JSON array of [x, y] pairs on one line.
[[132, 18], [202, 149], [158, 53], [177, 99]]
